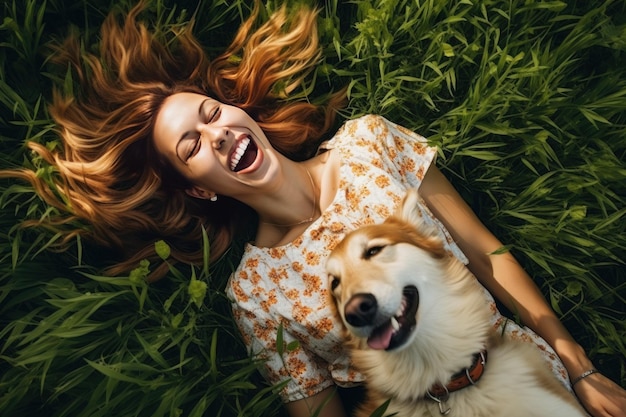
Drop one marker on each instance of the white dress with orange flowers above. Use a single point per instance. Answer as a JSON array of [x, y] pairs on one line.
[[284, 289]]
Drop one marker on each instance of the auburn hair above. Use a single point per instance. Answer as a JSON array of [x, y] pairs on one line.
[[108, 173]]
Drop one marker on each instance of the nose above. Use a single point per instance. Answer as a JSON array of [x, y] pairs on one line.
[[361, 309], [217, 136]]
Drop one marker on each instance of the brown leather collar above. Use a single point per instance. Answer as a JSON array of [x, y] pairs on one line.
[[466, 377]]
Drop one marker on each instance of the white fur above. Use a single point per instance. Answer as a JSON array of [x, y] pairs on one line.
[[452, 325]]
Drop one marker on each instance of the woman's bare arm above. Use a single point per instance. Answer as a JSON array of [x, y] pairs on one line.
[[327, 402]]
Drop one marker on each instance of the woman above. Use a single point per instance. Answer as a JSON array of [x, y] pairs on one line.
[[161, 143]]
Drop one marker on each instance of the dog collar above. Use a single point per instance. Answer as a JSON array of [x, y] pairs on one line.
[[466, 377]]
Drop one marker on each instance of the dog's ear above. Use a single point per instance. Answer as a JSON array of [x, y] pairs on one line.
[[410, 212]]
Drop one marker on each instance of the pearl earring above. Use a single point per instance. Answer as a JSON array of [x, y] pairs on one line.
[[213, 198]]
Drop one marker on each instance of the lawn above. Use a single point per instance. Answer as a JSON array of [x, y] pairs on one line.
[[525, 98]]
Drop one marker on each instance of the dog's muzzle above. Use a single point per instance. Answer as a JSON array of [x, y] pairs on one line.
[[362, 311]]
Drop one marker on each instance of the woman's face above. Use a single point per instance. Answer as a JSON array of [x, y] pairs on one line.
[[217, 147]]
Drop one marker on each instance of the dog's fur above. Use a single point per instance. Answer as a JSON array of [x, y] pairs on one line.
[[450, 324]]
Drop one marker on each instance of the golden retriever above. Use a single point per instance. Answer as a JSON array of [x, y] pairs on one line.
[[419, 329]]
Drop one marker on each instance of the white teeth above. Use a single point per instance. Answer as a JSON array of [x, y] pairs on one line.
[[241, 149], [395, 324], [400, 310]]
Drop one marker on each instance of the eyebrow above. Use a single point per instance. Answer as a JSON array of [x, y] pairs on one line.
[[184, 135]]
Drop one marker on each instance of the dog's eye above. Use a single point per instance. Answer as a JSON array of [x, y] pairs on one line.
[[373, 251], [334, 283]]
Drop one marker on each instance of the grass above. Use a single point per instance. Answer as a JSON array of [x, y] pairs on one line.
[[526, 100]]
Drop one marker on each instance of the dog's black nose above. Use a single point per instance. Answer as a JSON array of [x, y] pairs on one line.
[[361, 309]]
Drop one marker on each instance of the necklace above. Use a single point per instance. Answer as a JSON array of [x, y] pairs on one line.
[[307, 220]]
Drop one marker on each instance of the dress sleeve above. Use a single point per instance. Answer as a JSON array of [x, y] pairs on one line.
[[410, 153], [378, 142], [407, 157]]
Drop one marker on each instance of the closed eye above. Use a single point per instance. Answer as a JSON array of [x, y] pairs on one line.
[[195, 144], [194, 147], [214, 114], [210, 110]]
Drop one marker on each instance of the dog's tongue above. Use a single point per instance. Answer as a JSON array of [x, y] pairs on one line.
[[380, 337]]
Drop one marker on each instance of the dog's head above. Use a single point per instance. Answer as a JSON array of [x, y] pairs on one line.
[[378, 275]]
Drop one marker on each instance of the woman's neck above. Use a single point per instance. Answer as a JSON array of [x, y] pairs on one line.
[[311, 187], [313, 191], [287, 212]]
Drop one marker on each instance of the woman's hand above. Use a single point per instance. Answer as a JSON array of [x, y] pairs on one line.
[[601, 396]]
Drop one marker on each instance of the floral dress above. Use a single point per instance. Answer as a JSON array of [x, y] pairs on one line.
[[281, 293]]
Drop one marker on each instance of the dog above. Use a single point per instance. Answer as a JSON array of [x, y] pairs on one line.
[[418, 327]]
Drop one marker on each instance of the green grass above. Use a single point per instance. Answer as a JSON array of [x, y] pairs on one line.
[[527, 100]]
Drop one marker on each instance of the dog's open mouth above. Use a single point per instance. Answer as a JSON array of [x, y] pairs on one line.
[[395, 332]]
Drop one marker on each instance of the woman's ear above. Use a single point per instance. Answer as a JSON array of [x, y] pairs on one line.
[[200, 193]]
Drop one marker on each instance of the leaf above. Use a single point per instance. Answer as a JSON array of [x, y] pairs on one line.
[[502, 249], [280, 344]]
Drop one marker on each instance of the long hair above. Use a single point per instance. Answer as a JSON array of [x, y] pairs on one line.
[[109, 175]]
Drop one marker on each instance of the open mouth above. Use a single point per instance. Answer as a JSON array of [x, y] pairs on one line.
[[396, 331], [244, 155]]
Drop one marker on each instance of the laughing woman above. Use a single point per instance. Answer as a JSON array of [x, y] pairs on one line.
[[160, 143]]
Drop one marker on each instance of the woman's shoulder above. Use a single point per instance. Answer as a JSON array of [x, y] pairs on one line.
[[375, 125], [373, 129], [363, 127], [367, 121]]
